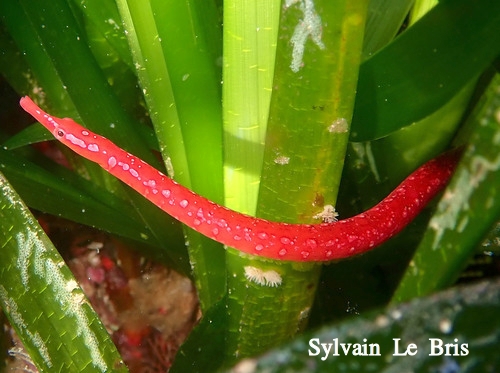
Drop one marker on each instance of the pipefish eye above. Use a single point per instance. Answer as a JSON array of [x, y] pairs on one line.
[[59, 133]]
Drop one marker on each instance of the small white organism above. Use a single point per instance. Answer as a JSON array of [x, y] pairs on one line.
[[282, 160], [264, 278], [328, 215], [339, 125], [308, 26]]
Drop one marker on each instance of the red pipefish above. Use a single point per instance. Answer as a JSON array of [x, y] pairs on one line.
[[296, 242]]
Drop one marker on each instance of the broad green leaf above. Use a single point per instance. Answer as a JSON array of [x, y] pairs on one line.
[[311, 109], [425, 66], [43, 301], [14, 66], [191, 47]]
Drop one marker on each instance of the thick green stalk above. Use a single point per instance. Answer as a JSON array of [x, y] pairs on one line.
[[260, 315], [317, 60], [311, 109]]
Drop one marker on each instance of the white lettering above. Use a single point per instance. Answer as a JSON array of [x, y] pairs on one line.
[[411, 350], [314, 343], [436, 347]]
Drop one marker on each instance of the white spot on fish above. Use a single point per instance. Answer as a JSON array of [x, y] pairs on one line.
[[134, 173], [262, 235], [111, 162], [76, 141], [125, 166], [311, 243], [93, 148], [222, 223], [259, 247], [285, 240]]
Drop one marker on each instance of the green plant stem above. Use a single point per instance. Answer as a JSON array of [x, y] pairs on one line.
[[175, 58], [152, 71], [250, 32]]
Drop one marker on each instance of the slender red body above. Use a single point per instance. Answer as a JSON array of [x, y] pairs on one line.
[[297, 242]]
